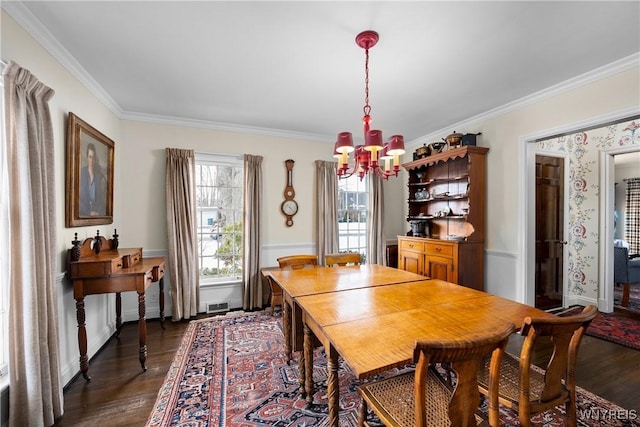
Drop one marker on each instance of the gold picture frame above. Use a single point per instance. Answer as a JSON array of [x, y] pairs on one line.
[[89, 175]]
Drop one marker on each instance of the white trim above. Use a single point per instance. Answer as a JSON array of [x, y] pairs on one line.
[[605, 250], [231, 159], [227, 127], [40, 33], [526, 191], [599, 73]]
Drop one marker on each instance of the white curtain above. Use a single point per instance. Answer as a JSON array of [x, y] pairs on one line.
[[252, 294], [35, 397], [376, 245], [327, 208], [182, 233]]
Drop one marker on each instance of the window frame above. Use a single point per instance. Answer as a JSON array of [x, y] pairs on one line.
[[360, 187], [221, 230]]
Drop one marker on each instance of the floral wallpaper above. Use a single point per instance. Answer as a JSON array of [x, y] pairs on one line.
[[584, 149]]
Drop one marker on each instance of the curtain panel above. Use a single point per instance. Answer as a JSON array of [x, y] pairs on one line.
[[376, 242], [36, 397], [182, 233], [252, 238], [327, 209]]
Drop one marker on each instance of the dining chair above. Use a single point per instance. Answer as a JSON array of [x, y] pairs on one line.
[[293, 262], [296, 262], [342, 259], [423, 397], [528, 390]]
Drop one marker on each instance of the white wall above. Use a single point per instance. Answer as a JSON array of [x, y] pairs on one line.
[[139, 213], [70, 95], [504, 130]]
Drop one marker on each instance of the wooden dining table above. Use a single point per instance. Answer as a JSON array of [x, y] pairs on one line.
[[321, 280], [375, 329]]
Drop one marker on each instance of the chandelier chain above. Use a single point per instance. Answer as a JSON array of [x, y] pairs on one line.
[[367, 107]]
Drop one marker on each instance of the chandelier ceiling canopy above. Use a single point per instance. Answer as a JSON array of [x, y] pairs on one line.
[[367, 157]]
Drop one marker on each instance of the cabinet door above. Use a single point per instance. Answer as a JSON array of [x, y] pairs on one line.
[[440, 268], [411, 261]]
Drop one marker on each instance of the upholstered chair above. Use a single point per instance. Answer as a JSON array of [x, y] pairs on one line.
[[626, 272]]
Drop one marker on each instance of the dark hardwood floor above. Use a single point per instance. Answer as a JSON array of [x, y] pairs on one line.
[[120, 394]]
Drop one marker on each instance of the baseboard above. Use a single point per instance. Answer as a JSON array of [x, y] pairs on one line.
[[579, 300]]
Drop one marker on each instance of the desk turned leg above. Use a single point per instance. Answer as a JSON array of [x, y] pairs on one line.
[[161, 285], [286, 325], [118, 313], [142, 330], [333, 387], [307, 372], [82, 338]]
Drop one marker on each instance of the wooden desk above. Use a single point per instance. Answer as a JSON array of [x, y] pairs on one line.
[[114, 271], [375, 329]]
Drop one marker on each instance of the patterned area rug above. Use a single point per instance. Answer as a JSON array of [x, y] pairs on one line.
[[231, 371], [612, 327], [634, 297]]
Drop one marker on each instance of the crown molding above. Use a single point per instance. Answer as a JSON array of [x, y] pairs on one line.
[[227, 127], [31, 24], [616, 67], [24, 17]]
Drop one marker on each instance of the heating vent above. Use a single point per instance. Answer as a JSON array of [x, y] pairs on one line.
[[215, 308]]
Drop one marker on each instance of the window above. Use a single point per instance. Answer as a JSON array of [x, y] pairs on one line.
[[352, 214], [219, 197]]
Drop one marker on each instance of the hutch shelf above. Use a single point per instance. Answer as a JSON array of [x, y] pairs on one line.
[[446, 208]]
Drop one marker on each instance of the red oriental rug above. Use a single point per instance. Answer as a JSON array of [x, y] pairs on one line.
[[231, 371], [634, 298], [612, 327]]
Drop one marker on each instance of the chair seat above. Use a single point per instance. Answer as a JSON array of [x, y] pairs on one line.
[[510, 379], [396, 396]]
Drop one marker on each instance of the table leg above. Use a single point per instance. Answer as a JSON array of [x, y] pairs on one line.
[[142, 330], [82, 338], [161, 285], [118, 313], [286, 325], [333, 386], [308, 362]]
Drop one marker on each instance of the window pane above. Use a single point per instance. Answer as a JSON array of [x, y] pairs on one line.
[[352, 214], [219, 196]]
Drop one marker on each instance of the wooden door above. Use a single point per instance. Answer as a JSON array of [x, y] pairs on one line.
[[549, 231], [440, 268], [411, 261]]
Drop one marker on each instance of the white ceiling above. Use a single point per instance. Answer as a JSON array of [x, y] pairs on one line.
[[293, 68]]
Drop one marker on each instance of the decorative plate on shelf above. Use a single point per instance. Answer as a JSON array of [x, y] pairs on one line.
[[456, 237]]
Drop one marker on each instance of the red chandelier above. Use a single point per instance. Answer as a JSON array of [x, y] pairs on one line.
[[367, 157]]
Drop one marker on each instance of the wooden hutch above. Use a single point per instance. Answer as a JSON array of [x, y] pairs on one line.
[[447, 203]]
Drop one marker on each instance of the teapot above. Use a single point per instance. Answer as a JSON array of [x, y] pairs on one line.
[[453, 139]]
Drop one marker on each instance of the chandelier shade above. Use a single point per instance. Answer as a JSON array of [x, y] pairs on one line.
[[367, 156]]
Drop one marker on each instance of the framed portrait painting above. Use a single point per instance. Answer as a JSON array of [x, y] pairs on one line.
[[89, 175]]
